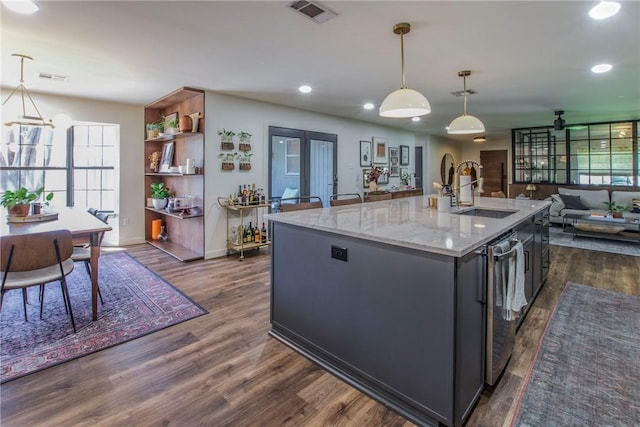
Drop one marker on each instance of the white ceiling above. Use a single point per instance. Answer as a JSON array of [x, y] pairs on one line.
[[527, 58]]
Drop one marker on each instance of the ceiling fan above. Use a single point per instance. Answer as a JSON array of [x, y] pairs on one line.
[[558, 123]]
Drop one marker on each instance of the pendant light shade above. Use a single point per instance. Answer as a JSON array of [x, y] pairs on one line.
[[465, 124], [404, 102], [24, 119]]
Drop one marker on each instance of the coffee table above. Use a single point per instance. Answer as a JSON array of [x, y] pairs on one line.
[[602, 227]]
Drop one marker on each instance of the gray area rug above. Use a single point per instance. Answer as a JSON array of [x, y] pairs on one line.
[[587, 369], [559, 238]]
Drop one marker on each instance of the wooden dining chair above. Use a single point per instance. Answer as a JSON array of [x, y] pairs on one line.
[[300, 203], [83, 253], [36, 259], [377, 197], [345, 199]]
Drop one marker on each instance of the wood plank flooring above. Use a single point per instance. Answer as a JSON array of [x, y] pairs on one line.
[[222, 369]]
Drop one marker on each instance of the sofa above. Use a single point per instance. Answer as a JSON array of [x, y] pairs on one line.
[[593, 202]]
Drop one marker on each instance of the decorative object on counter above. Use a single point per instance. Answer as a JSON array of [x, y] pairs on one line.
[[171, 124], [531, 187], [245, 161], [159, 194], [162, 236], [185, 124], [195, 121], [365, 153], [18, 203], [245, 141], [226, 139], [154, 160], [405, 177], [228, 161]]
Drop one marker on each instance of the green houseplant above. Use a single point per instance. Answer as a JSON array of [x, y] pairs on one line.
[[616, 209], [18, 202], [245, 161], [159, 194], [226, 139], [245, 141], [227, 161]]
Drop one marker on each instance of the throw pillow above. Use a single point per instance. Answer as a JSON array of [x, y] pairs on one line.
[[556, 205], [573, 202], [635, 205]]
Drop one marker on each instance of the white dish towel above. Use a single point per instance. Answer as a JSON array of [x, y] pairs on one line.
[[515, 288]]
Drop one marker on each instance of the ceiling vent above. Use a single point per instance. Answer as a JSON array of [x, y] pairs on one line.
[[53, 77], [312, 10], [461, 92]]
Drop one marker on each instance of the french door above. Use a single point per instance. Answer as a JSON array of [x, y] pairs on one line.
[[304, 161]]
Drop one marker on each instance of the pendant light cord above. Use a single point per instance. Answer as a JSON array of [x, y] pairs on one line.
[[464, 85], [404, 85]]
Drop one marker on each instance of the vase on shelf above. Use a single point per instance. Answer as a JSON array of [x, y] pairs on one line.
[[373, 186], [162, 236], [185, 124]]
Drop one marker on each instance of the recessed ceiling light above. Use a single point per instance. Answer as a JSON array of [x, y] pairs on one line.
[[368, 106], [601, 68], [305, 89], [24, 7], [479, 139], [415, 119], [604, 9]]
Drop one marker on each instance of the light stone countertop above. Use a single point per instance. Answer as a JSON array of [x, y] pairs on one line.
[[409, 222]]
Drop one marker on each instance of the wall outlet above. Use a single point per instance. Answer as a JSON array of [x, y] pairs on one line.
[[339, 253]]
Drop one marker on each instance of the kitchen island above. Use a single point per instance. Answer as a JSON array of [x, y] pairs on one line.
[[389, 296]]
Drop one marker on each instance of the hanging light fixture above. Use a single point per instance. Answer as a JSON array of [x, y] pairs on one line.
[[24, 119], [404, 102], [465, 124]]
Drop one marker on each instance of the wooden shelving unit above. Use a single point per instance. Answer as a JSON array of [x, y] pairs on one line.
[[185, 230]]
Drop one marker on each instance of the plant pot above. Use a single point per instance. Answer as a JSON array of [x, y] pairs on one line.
[[171, 131], [19, 210], [243, 146], [228, 166], [226, 145], [152, 133], [245, 166], [373, 186], [616, 214], [160, 203]]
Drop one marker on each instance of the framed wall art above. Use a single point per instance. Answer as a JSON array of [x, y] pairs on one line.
[[404, 155], [365, 153], [394, 161], [380, 150], [167, 157]]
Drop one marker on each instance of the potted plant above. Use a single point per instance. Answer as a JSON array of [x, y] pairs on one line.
[[227, 161], [171, 126], [406, 178], [159, 194], [245, 141], [18, 202], [616, 209], [245, 161], [226, 139]]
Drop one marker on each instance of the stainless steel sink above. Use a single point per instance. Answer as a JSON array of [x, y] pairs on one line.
[[486, 213]]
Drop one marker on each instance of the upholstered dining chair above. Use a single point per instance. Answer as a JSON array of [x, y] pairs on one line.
[[300, 203], [36, 259], [345, 199], [83, 253]]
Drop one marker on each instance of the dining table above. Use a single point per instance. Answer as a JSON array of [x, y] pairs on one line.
[[79, 222]]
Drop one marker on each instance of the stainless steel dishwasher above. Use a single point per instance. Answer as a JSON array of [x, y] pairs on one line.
[[501, 333]]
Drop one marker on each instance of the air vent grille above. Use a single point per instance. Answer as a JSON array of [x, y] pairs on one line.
[[53, 77], [312, 10], [461, 92]]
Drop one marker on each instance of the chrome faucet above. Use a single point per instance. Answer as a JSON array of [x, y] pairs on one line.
[[479, 180]]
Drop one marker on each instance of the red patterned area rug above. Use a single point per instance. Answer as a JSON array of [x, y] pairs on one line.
[[137, 302], [587, 369]]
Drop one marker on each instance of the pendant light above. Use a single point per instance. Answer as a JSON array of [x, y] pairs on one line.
[[24, 119], [465, 124], [404, 102]]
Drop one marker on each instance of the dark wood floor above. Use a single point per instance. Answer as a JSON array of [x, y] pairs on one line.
[[223, 369]]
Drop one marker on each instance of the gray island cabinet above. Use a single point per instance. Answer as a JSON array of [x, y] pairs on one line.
[[389, 296]]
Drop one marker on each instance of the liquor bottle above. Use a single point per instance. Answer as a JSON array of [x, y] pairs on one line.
[[245, 194], [256, 234], [239, 199], [249, 235], [263, 234]]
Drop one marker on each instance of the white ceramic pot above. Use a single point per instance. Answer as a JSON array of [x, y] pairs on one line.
[[160, 203]]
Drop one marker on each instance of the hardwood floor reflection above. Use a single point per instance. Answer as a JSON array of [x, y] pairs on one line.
[[222, 369]]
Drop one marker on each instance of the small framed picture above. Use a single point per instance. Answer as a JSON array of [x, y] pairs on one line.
[[394, 171], [365, 153], [167, 157], [404, 155], [394, 161], [380, 150], [383, 179], [365, 178]]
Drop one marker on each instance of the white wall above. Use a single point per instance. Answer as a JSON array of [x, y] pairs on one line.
[[128, 225]]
